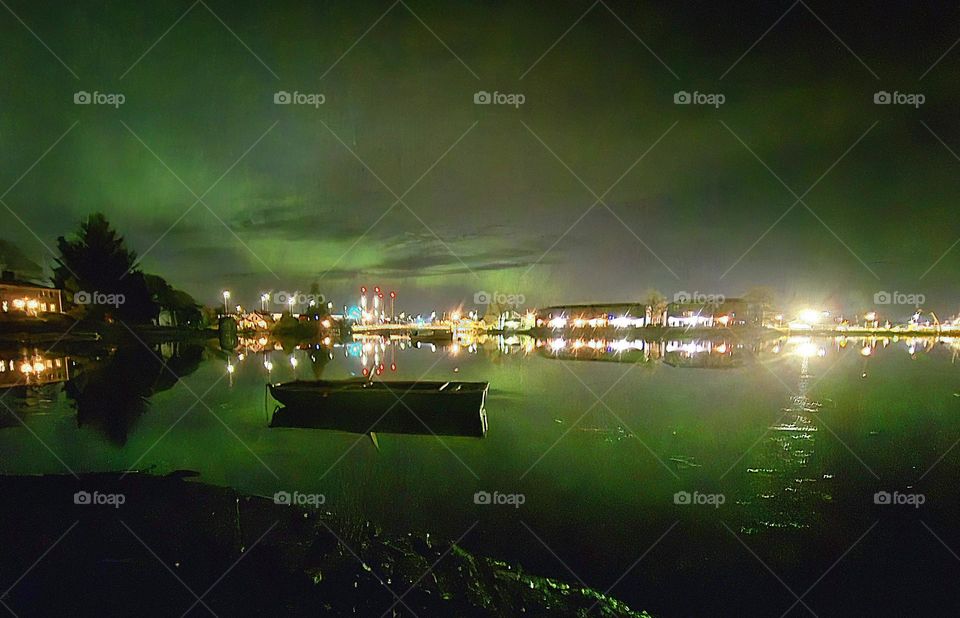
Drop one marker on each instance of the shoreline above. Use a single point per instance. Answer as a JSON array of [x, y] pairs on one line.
[[290, 559]]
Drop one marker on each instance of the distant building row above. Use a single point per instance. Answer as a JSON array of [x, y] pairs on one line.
[[722, 313]]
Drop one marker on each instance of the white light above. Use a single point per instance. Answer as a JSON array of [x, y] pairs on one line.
[[810, 316]]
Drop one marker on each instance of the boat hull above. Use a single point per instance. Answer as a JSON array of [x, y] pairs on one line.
[[398, 407]]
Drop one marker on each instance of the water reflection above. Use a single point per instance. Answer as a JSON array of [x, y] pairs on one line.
[[109, 388], [32, 367], [30, 379], [112, 390], [787, 486]]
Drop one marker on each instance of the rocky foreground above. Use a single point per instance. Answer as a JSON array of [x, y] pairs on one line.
[[152, 546]]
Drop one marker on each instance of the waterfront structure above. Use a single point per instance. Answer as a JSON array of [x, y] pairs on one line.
[[21, 299], [594, 315], [721, 312]]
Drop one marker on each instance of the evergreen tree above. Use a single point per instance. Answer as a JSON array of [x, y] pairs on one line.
[[98, 262]]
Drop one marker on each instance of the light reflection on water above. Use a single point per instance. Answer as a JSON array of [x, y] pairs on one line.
[[793, 431]]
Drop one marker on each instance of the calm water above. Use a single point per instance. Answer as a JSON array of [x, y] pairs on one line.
[[784, 444]]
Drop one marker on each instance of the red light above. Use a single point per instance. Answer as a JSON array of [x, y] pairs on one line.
[[393, 367], [377, 289], [380, 294], [363, 290], [393, 294], [366, 371]]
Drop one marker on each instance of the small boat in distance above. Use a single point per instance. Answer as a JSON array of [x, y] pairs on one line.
[[363, 406]]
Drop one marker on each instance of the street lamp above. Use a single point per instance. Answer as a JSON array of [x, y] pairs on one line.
[[226, 297]]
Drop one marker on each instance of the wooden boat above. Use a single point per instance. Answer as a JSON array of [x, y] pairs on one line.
[[362, 406], [431, 336]]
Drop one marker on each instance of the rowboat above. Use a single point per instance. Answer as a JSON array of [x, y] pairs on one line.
[[363, 406]]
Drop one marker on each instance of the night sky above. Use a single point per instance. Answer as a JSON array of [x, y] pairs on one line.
[[400, 179]]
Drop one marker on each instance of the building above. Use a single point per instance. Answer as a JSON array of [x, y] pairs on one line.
[[618, 315], [20, 299], [722, 312]]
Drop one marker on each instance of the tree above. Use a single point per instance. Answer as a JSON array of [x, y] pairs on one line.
[[657, 303], [98, 263], [762, 301], [184, 310]]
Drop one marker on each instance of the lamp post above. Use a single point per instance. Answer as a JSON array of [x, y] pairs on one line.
[[226, 297]]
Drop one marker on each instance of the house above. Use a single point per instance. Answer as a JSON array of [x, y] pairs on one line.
[[20, 299]]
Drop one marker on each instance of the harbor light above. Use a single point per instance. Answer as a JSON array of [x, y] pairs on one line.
[[810, 316]]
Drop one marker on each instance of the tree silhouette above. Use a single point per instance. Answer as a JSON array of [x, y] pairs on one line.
[[97, 262]]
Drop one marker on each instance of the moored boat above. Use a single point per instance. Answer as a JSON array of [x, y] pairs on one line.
[[362, 406]]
